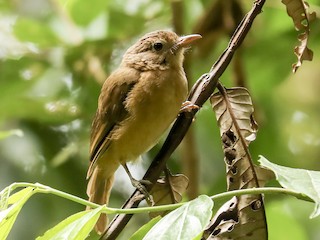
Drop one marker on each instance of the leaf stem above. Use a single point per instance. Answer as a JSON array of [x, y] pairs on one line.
[[40, 188]]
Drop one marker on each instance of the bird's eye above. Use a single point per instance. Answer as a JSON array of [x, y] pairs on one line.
[[158, 46]]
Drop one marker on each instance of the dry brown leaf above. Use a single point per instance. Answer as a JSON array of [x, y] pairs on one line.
[[234, 113], [298, 11], [224, 219], [168, 190], [225, 224]]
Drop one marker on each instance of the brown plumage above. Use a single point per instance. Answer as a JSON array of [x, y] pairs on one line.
[[137, 103]]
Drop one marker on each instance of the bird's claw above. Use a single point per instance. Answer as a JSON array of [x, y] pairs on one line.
[[140, 185], [188, 106]]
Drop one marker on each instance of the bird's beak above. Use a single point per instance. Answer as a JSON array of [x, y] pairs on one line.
[[187, 40], [184, 42]]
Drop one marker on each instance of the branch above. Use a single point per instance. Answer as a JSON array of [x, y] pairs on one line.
[[199, 94]]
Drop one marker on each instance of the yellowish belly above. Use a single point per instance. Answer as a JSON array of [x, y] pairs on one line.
[[150, 115]]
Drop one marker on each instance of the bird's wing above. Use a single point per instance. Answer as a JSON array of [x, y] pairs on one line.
[[111, 111]]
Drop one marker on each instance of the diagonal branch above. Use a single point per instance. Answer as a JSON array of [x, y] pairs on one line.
[[199, 94]]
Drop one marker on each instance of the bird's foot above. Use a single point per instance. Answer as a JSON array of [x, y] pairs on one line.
[[188, 106], [140, 185]]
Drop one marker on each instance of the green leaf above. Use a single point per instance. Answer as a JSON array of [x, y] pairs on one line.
[[122, 30], [138, 235], [78, 9], [9, 133], [186, 222], [8, 216], [299, 180], [21, 195], [77, 226], [7, 219], [28, 30]]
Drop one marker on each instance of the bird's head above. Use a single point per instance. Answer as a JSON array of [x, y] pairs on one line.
[[158, 50]]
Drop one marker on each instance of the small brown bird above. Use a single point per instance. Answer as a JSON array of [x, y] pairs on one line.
[[137, 103]]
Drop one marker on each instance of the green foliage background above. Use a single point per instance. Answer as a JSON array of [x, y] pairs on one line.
[[54, 56]]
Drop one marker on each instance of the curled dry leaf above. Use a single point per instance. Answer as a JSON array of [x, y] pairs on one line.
[[168, 190], [298, 11], [242, 217]]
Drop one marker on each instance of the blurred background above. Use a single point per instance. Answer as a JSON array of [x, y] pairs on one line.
[[55, 55]]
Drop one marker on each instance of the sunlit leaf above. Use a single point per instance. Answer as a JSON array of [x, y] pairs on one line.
[[9, 214], [299, 180], [77, 226], [22, 194], [186, 222], [7, 219]]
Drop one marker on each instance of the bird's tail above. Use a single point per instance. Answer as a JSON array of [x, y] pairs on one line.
[[98, 191]]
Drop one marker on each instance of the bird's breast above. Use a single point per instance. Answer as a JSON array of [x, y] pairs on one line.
[[153, 104]]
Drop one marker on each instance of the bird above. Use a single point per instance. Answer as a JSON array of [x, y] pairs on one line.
[[138, 102]]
